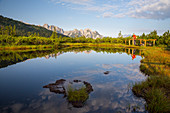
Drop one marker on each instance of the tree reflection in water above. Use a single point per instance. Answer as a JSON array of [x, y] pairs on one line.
[[109, 74], [12, 57]]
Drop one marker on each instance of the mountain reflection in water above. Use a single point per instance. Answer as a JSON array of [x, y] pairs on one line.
[[112, 92]]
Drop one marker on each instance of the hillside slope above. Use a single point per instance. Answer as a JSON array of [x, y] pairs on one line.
[[23, 29]]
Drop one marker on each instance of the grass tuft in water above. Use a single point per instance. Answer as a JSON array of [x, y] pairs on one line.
[[155, 90], [157, 101], [79, 95]]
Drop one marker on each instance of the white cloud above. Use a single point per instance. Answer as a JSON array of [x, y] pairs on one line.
[[148, 9], [151, 9], [102, 8], [77, 2], [108, 14], [98, 16]]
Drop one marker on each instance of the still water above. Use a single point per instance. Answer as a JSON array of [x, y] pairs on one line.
[[111, 75]]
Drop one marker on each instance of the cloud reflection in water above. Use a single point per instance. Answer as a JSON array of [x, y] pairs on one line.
[[111, 92]]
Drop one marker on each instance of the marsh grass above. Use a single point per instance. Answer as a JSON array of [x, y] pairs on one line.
[[155, 69], [97, 45], [155, 90], [156, 62], [77, 95], [24, 47], [157, 101], [157, 55]]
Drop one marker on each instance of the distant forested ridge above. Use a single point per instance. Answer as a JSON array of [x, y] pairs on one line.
[[23, 29]]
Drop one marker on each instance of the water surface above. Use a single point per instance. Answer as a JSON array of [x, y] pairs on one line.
[[23, 75]]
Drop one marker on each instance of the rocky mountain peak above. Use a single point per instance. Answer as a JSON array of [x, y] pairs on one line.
[[87, 30], [46, 26], [88, 33], [75, 29], [51, 27]]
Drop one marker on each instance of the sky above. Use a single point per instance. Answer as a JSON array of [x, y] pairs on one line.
[[108, 17]]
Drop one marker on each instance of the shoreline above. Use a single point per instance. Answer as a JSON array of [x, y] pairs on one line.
[[25, 47], [106, 45]]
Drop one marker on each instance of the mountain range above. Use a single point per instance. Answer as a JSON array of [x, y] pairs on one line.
[[24, 29], [88, 33]]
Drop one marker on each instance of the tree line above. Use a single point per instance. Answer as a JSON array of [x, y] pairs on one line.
[[9, 36], [161, 40], [8, 30]]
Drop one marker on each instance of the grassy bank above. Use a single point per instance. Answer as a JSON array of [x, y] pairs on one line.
[[97, 45], [62, 45], [20, 47], [156, 89], [156, 62]]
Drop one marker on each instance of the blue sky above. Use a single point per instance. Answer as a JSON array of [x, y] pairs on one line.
[[108, 17]]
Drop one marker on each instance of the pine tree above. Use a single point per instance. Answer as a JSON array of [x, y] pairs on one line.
[[143, 36], [120, 35], [38, 34], [1, 31], [6, 30], [35, 34], [10, 30], [29, 33], [14, 30], [54, 34]]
